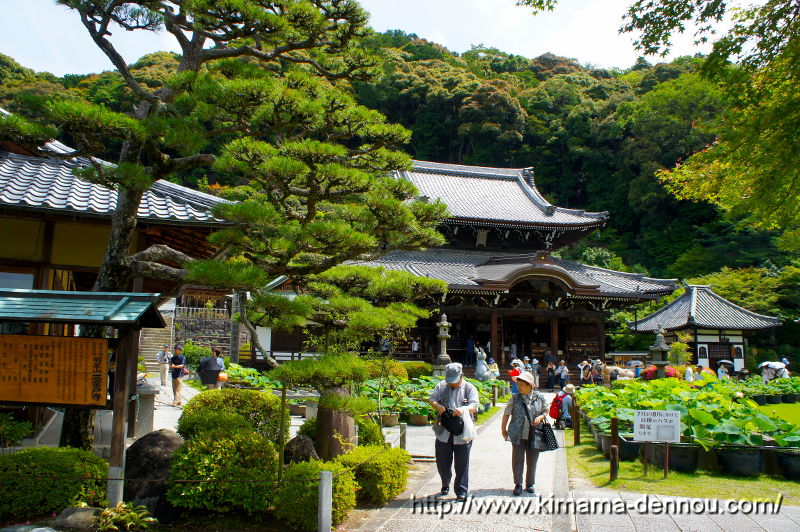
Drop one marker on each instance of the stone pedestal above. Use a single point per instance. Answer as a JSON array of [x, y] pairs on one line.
[[144, 416], [443, 359], [659, 353]]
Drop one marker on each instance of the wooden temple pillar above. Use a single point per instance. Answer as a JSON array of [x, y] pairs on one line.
[[554, 338], [497, 349], [125, 358], [601, 338]]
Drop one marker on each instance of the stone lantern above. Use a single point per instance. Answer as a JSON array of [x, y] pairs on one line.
[[443, 359], [658, 353]]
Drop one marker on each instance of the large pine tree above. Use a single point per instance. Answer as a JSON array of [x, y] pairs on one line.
[[269, 82]]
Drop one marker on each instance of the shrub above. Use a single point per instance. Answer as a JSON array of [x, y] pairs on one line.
[[381, 473], [416, 369], [211, 422], [237, 456], [44, 480], [387, 367], [260, 409], [369, 432], [309, 428], [125, 516], [194, 353], [296, 501], [12, 431]]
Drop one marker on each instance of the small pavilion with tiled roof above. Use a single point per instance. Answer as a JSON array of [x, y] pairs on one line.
[[716, 326]]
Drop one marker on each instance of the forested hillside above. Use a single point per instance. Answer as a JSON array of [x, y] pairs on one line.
[[595, 139]]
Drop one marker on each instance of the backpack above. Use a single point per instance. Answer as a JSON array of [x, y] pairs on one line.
[[555, 406]]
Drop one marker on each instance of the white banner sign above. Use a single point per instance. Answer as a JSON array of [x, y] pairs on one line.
[[657, 425]]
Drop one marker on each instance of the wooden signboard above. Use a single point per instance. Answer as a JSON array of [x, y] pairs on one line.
[[53, 370]]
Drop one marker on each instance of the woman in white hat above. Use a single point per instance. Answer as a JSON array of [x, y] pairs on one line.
[[525, 409]]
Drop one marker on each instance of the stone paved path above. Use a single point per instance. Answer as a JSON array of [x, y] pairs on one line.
[[491, 482], [418, 509]]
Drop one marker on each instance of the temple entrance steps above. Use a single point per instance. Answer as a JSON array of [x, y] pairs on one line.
[[151, 342]]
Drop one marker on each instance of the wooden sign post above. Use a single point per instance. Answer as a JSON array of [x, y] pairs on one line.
[[657, 425]]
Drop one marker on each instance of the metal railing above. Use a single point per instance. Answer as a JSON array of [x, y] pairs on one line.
[[202, 313]]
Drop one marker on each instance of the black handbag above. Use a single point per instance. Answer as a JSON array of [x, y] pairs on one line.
[[545, 437], [454, 424], [540, 436]]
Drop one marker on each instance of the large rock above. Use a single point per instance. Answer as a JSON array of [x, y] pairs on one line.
[[80, 518], [147, 464], [300, 449]]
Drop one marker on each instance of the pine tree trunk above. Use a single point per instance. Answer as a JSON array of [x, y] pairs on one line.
[[336, 431], [77, 429]]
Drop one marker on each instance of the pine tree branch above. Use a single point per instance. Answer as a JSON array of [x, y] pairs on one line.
[[98, 35], [156, 270], [161, 253], [243, 318]]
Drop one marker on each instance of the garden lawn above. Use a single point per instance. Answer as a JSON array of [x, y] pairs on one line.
[[487, 414], [787, 411], [588, 466]]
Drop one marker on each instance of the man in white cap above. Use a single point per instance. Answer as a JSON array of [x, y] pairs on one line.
[[458, 396]]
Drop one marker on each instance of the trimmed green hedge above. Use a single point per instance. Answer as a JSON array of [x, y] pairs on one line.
[[369, 432], [260, 409], [44, 480], [380, 472], [296, 500], [210, 422], [238, 456], [417, 369]]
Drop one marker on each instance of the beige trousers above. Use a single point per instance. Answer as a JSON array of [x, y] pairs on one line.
[[177, 384]]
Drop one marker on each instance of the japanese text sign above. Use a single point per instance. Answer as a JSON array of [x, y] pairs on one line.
[[53, 370], [657, 425]]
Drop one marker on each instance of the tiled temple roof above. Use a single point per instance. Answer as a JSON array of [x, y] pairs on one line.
[[700, 307], [490, 271], [49, 185], [499, 195]]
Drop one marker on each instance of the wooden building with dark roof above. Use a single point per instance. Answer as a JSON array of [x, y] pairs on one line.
[[716, 327], [55, 226], [505, 288]]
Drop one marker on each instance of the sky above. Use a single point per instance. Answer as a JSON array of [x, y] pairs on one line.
[[46, 37]]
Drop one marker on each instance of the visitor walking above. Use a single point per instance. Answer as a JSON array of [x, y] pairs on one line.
[[586, 372], [454, 397], [516, 369], [551, 377], [688, 375], [220, 365], [210, 368], [535, 372], [163, 358], [525, 409], [561, 408], [469, 351], [415, 346], [597, 371], [178, 369], [562, 373]]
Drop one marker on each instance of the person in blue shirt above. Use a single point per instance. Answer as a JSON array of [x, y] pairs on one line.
[[177, 364]]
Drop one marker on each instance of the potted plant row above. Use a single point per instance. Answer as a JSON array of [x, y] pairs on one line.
[[718, 419]]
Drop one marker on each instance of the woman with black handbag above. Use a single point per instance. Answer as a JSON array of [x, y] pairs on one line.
[[526, 410]]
